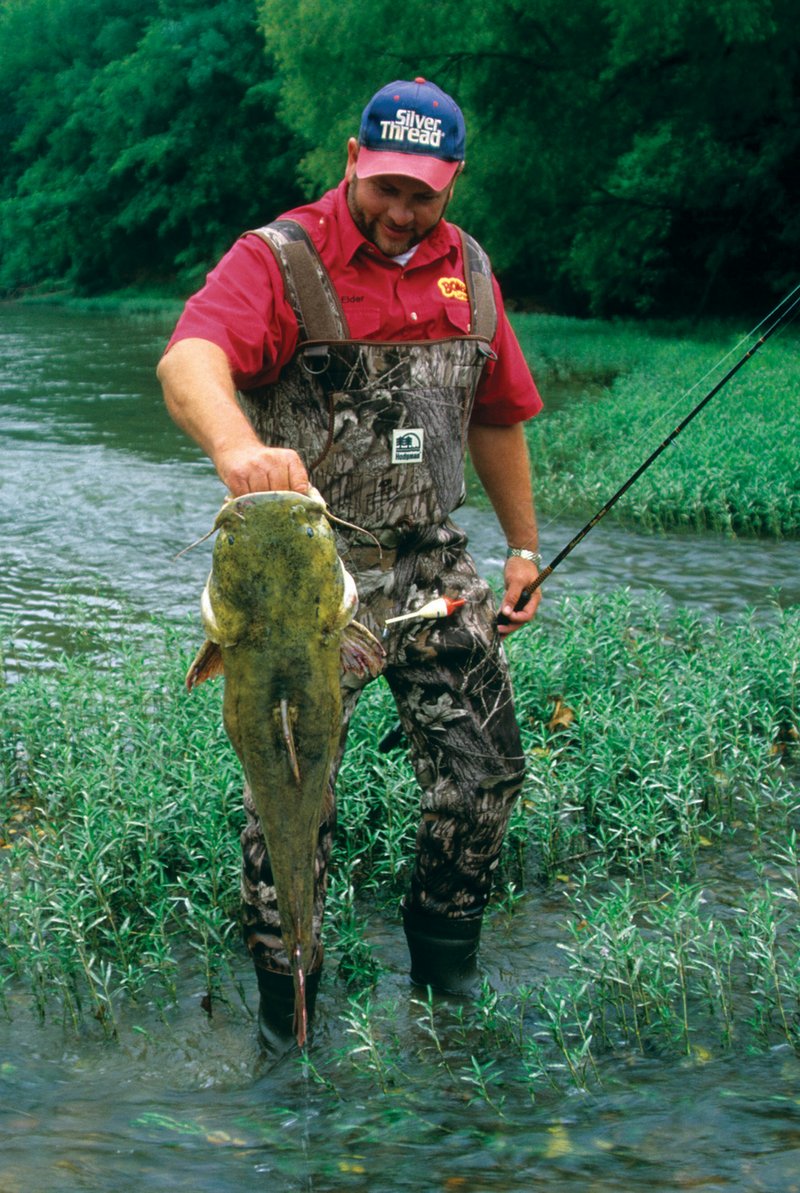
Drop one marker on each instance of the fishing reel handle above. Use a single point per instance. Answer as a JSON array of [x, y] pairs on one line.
[[524, 597]]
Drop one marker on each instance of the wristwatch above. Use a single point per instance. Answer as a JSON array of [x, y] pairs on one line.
[[524, 553]]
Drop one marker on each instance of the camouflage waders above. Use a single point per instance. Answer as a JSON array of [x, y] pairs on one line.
[[382, 429]]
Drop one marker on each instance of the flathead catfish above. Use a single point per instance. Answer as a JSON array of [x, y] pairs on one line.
[[278, 610]]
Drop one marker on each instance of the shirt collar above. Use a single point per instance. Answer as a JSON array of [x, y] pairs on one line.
[[442, 242]]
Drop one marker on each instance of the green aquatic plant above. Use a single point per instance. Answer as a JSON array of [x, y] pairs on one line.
[[357, 964], [646, 734], [770, 944], [374, 1052], [130, 835], [734, 471], [657, 741]]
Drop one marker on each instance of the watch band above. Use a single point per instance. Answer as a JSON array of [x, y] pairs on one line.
[[524, 553]]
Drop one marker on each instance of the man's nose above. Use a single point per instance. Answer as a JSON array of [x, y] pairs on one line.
[[400, 213]]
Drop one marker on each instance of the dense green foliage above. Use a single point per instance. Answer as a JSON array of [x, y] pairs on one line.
[[623, 155], [139, 139], [734, 469], [653, 742]]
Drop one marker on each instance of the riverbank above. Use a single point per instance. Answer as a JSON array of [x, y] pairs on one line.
[[166, 301], [733, 471]]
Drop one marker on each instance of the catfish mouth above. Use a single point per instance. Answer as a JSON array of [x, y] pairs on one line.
[[236, 507]]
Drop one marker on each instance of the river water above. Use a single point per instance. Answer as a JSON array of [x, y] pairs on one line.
[[100, 492]]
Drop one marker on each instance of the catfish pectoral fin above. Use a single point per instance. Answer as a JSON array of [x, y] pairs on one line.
[[288, 737], [361, 652], [206, 665]]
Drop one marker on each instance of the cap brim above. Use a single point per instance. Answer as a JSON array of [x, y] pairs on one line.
[[430, 170]]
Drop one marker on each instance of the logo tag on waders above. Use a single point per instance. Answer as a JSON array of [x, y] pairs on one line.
[[407, 445]]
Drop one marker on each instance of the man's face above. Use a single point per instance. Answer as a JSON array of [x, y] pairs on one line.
[[393, 212]]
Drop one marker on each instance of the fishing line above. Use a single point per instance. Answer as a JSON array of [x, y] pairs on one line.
[[790, 304]]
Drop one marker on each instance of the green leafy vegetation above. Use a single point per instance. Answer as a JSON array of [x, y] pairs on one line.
[[622, 157], [139, 140], [659, 746], [734, 470]]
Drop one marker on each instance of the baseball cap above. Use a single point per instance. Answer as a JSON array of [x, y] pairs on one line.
[[414, 129]]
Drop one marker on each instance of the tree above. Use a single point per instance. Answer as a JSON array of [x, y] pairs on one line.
[[623, 155], [140, 151]]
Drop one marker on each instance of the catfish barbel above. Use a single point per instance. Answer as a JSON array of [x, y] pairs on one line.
[[278, 610]]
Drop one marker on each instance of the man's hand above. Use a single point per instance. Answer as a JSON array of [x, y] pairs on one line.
[[519, 576], [254, 468]]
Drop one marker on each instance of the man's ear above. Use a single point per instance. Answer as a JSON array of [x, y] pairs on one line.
[[352, 158]]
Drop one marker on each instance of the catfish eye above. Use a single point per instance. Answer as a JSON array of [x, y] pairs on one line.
[[309, 532], [231, 540]]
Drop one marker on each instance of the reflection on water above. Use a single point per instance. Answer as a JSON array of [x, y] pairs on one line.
[[99, 492]]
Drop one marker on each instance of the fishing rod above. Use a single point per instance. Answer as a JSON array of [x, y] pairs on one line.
[[442, 607], [794, 302]]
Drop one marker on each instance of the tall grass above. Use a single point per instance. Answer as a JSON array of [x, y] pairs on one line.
[[654, 742], [733, 470], [646, 734], [120, 800]]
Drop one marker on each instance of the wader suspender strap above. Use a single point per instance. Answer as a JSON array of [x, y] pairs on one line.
[[308, 286], [317, 304], [478, 276]]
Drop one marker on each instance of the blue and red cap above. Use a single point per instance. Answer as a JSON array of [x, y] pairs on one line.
[[414, 129]]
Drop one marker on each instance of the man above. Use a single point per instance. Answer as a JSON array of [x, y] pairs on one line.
[[359, 344]]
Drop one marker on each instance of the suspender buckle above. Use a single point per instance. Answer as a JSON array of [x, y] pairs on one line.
[[315, 359]]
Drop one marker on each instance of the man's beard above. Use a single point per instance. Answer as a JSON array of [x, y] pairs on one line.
[[371, 229]]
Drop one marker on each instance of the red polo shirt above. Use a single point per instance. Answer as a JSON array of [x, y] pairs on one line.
[[243, 309]]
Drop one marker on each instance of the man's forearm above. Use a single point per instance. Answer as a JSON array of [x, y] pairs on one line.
[[201, 397], [500, 458]]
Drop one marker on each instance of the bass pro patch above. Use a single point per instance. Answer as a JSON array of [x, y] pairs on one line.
[[407, 445], [453, 288]]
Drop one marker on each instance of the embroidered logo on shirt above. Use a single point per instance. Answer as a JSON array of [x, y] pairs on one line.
[[407, 444], [453, 288]]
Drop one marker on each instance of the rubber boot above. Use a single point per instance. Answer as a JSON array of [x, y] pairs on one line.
[[444, 952], [276, 1008]]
